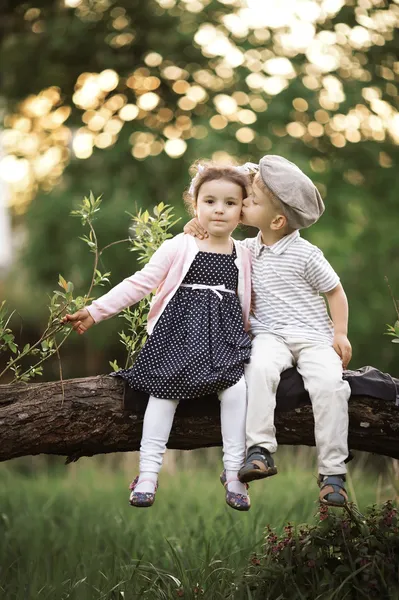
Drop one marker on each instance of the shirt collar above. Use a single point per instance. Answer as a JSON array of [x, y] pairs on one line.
[[279, 247]]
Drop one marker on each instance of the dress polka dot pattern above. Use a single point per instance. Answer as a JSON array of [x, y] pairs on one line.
[[199, 345]]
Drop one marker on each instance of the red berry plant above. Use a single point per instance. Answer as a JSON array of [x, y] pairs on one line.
[[345, 555]]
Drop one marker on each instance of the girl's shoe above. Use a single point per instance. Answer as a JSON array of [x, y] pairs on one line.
[[332, 490], [237, 501], [141, 499]]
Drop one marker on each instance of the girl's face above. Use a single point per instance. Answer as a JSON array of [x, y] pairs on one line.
[[219, 206]]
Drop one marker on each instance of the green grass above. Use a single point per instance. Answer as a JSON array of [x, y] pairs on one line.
[[72, 535]]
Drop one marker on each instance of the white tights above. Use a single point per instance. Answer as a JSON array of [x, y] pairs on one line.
[[158, 420]]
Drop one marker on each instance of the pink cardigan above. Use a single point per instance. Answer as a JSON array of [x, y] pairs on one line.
[[165, 271]]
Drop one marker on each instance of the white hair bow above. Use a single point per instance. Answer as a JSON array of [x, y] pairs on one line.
[[200, 169]]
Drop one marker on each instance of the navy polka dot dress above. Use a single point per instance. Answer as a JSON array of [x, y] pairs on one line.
[[199, 344]]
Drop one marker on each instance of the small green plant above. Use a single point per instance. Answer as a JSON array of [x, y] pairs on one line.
[[340, 557], [147, 234], [393, 330]]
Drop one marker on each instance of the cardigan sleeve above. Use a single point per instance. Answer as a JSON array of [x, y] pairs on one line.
[[134, 288]]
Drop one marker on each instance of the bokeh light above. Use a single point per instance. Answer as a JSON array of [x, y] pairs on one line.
[[251, 57], [175, 148]]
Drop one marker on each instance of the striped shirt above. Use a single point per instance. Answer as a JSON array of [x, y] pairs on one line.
[[287, 280]]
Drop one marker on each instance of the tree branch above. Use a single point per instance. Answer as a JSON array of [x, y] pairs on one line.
[[91, 419]]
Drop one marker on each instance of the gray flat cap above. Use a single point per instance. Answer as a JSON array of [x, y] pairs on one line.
[[299, 195]]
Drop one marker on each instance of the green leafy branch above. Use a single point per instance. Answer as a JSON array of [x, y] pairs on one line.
[[147, 234], [62, 301], [136, 336], [46, 345]]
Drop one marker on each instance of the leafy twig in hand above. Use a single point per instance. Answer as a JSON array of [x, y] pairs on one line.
[[57, 349]]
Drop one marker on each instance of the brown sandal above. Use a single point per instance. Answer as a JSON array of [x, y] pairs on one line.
[[258, 465], [332, 490]]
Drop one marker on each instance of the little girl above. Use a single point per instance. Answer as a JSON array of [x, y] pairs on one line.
[[198, 341]]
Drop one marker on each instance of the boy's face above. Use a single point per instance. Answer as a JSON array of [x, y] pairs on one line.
[[258, 210]]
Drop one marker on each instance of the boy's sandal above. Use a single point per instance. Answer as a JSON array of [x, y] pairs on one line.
[[237, 501], [258, 465], [332, 490], [141, 499]]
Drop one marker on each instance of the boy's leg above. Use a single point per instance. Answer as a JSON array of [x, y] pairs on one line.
[[158, 420], [270, 356], [321, 370]]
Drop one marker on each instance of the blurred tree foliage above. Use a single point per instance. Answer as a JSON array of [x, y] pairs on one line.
[[121, 96]]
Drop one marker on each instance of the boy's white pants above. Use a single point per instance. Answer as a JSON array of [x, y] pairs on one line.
[[321, 370], [158, 420]]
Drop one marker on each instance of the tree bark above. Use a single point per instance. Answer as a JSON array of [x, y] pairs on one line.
[[83, 417]]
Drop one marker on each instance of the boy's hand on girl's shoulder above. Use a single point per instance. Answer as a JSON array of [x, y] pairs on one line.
[[194, 228], [343, 348], [81, 320]]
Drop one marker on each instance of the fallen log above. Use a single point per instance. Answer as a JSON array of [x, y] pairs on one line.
[[84, 417]]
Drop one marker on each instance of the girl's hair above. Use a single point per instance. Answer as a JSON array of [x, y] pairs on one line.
[[202, 172]]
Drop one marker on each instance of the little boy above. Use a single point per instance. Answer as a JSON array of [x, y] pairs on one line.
[[291, 325]]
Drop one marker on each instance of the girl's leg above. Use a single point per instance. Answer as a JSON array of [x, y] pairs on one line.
[[158, 420], [233, 407]]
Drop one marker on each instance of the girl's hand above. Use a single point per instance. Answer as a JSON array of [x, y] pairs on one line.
[[343, 348], [81, 321], [194, 228]]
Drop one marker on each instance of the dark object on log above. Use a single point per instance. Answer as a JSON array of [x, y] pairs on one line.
[[89, 418]]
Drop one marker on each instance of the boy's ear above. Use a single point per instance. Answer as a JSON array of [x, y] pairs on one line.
[[278, 223]]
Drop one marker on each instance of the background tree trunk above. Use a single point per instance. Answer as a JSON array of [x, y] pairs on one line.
[[83, 417]]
